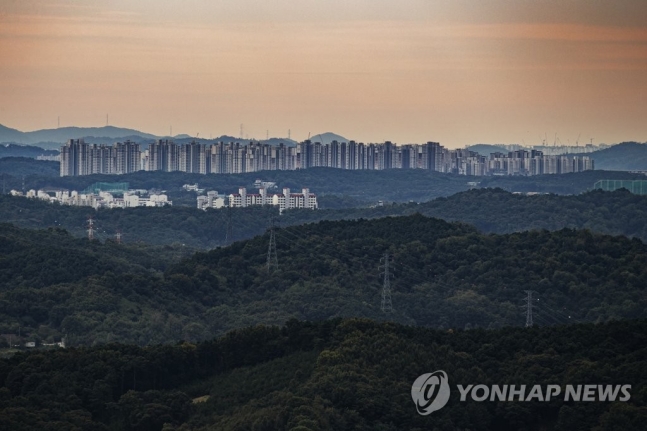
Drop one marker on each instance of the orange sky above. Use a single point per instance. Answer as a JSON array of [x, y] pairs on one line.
[[454, 71]]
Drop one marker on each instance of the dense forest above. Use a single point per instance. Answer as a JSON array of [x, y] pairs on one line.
[[445, 275], [490, 210], [331, 375], [13, 169], [498, 211]]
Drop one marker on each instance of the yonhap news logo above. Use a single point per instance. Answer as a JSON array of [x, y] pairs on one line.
[[430, 392]]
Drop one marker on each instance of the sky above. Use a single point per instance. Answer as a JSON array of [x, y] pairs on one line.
[[458, 72]]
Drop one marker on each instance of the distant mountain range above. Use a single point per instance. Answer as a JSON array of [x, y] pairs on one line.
[[486, 149], [627, 156], [52, 139]]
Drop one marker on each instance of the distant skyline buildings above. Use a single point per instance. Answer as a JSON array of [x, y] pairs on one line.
[[80, 158]]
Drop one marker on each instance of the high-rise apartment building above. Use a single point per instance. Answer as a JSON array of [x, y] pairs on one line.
[[75, 158], [80, 158]]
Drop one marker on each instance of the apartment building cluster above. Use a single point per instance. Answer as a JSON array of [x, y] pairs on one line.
[[533, 162], [433, 156], [284, 200], [98, 200], [79, 158]]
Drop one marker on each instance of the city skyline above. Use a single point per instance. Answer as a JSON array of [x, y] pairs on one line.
[[80, 158], [458, 73]]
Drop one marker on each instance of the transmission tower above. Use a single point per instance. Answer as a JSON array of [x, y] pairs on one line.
[[90, 228], [118, 236], [529, 306], [272, 258], [387, 306]]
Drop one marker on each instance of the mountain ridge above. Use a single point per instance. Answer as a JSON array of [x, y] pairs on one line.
[[53, 138]]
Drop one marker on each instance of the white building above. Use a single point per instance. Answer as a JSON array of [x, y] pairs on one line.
[[285, 200], [154, 200], [212, 200], [102, 200]]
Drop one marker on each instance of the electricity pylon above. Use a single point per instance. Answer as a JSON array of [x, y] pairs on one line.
[[529, 306], [272, 258], [90, 228], [387, 305]]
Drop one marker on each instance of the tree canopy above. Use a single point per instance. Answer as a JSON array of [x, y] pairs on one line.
[[332, 375]]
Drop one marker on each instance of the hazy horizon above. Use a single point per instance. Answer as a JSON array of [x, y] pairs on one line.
[[457, 72]]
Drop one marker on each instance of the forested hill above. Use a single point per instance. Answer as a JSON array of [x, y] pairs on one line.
[[15, 169], [490, 210], [444, 275], [494, 210], [498, 211], [333, 375], [43, 258], [627, 156]]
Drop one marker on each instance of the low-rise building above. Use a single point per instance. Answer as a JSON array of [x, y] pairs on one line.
[[211, 200], [285, 200], [98, 200]]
